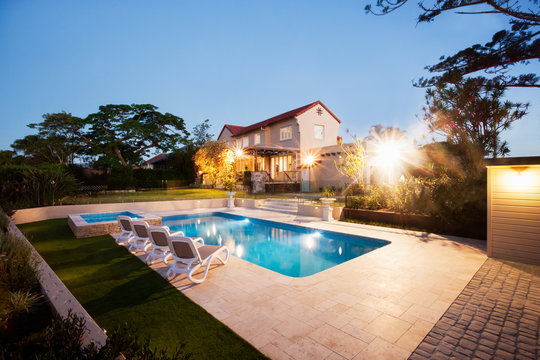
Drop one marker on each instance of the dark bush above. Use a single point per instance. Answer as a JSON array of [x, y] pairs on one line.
[[24, 186], [62, 340]]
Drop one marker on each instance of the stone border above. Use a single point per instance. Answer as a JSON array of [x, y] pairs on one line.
[[83, 229], [58, 295], [317, 210], [57, 212]]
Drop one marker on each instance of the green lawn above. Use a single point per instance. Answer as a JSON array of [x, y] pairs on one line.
[[116, 287], [159, 195]]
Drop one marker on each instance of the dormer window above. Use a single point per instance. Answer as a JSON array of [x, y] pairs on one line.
[[285, 133], [319, 132], [257, 139]]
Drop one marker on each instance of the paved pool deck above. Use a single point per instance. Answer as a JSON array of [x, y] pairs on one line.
[[380, 305]]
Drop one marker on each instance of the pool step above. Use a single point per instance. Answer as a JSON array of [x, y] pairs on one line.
[[281, 205]]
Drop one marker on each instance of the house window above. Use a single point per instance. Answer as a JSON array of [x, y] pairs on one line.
[[257, 139], [319, 132], [285, 133]]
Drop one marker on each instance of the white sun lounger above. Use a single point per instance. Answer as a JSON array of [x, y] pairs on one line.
[[159, 236], [141, 236], [188, 257], [126, 229]]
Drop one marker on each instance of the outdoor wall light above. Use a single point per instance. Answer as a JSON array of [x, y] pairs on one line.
[[519, 169], [518, 179], [309, 160]]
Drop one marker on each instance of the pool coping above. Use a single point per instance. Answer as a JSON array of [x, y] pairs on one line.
[[380, 304], [83, 229]]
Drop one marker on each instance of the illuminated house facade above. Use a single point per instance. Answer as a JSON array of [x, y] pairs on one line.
[[280, 150]]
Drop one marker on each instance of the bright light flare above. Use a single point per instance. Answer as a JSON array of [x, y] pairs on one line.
[[389, 154], [309, 160], [239, 250]]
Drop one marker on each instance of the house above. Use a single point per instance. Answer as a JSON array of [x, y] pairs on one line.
[[283, 151], [157, 162]]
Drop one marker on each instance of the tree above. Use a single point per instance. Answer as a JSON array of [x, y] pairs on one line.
[[517, 45], [354, 160], [56, 141], [127, 133], [226, 172], [206, 159], [216, 160], [379, 133], [472, 115], [201, 134]]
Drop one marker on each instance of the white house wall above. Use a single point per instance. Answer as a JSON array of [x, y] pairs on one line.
[[307, 122]]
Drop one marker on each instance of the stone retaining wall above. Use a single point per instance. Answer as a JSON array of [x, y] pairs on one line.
[[60, 297]]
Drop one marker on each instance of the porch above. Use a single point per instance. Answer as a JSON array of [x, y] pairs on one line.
[[279, 166]]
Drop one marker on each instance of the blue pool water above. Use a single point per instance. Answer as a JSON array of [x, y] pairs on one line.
[[104, 217], [287, 249]]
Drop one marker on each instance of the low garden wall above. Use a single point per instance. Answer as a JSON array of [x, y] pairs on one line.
[[57, 212], [389, 217], [471, 229], [317, 211], [58, 295]]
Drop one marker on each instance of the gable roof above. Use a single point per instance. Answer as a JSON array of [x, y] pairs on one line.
[[239, 130], [157, 158]]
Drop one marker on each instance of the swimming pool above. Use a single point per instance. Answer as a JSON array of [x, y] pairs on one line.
[[290, 250], [105, 217]]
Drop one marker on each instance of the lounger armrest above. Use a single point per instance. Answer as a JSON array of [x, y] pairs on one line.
[[166, 228], [199, 240], [177, 233]]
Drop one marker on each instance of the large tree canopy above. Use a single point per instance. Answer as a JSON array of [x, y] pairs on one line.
[[472, 115], [127, 133], [518, 44], [56, 141]]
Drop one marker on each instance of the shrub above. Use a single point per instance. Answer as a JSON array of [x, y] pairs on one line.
[[411, 196], [356, 202], [355, 189], [17, 267], [24, 186], [62, 339], [120, 178]]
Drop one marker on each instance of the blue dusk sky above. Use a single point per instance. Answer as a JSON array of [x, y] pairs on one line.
[[233, 62]]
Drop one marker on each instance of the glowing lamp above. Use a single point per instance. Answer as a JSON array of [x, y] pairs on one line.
[[309, 160]]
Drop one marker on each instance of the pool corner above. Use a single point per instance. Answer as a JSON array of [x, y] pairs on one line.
[[82, 229]]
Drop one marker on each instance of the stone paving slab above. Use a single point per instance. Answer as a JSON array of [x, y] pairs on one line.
[[377, 306], [496, 316]]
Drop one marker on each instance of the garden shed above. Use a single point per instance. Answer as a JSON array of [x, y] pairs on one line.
[[513, 186]]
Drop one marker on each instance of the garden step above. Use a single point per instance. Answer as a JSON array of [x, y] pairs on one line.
[[280, 205]]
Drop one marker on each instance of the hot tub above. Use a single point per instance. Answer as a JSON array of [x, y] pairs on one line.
[[96, 224]]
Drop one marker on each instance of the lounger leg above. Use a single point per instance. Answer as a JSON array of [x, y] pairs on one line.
[[192, 270], [167, 258], [224, 261]]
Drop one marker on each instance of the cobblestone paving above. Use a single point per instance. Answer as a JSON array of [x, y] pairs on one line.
[[497, 316]]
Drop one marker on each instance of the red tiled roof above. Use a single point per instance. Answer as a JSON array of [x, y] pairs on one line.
[[238, 130], [235, 129]]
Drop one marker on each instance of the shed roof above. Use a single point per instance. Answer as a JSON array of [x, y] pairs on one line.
[[510, 161]]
